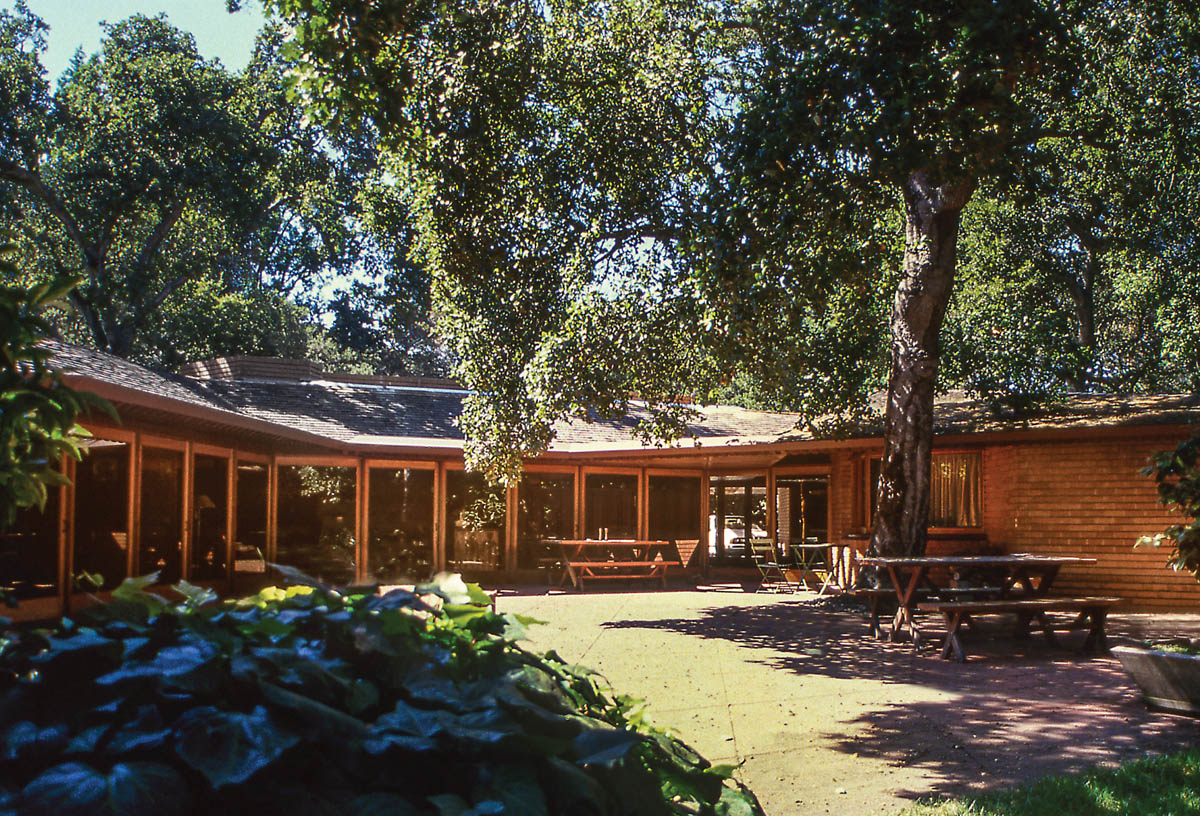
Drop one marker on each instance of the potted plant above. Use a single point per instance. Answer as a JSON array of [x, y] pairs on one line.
[[1168, 671]]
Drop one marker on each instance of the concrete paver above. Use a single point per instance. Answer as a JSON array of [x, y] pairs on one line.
[[824, 719]]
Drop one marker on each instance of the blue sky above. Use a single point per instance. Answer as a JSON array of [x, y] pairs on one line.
[[75, 23]]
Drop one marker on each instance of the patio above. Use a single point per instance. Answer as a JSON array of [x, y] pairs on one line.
[[827, 720]]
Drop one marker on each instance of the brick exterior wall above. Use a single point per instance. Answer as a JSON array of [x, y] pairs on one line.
[[1086, 498]]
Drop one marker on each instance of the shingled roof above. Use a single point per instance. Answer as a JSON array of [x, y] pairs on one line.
[[297, 396], [958, 413], [297, 400]]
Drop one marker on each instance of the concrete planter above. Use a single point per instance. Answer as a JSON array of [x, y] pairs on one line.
[[1169, 681]]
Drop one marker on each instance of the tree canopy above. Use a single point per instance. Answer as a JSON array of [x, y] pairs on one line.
[[642, 197], [203, 211]]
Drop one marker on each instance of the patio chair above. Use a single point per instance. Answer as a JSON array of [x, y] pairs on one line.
[[774, 577]]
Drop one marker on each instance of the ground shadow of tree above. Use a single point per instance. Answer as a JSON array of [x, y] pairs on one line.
[[1016, 711]]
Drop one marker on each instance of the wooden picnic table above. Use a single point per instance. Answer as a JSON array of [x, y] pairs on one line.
[[596, 559], [1031, 576]]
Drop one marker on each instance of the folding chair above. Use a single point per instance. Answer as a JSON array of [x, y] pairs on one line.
[[774, 578], [811, 560]]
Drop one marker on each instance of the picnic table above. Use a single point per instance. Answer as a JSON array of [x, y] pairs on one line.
[[595, 559], [1021, 574]]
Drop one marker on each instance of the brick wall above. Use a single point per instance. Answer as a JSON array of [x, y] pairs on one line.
[[1086, 498], [842, 495]]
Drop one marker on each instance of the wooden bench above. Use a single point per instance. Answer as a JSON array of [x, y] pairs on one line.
[[1091, 613], [591, 560], [613, 570], [875, 597]]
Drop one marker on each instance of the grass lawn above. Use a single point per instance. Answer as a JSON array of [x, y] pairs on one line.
[[1160, 786]]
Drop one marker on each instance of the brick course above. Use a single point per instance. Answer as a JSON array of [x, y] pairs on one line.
[[1086, 498]]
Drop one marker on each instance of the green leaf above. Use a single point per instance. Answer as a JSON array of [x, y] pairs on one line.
[[229, 747]]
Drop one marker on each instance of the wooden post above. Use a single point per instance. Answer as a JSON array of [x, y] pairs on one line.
[[187, 511]]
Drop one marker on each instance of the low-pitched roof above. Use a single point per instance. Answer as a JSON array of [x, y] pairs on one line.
[[380, 412], [344, 411], [958, 413]]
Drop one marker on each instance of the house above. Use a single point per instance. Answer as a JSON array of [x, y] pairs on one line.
[[240, 460]]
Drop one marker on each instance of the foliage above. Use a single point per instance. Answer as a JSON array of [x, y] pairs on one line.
[[184, 195], [661, 197], [1075, 275], [313, 700], [1155, 786], [546, 161], [1177, 473], [37, 420]]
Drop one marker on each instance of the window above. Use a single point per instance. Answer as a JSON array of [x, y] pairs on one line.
[[400, 515], [955, 490], [161, 523], [101, 544], [674, 512], [475, 513], [250, 543], [210, 516], [316, 521], [546, 512], [611, 503], [674, 507], [29, 551], [801, 510]]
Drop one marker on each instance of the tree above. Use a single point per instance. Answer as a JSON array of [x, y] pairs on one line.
[[536, 198], [1076, 274], [153, 173], [723, 155]]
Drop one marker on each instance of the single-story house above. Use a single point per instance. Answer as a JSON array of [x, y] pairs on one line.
[[239, 460]]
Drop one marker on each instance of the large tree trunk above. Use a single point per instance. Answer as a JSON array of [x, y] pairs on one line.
[[931, 236]]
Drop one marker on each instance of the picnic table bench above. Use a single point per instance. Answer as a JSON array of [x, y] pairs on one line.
[[1091, 614], [875, 598], [1031, 576], [597, 560]]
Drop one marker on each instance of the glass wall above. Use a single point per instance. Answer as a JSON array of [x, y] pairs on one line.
[[101, 545], [29, 551], [801, 510], [250, 544], [545, 514], [737, 510], [160, 542], [210, 517], [674, 503], [316, 521], [674, 508], [475, 515], [400, 535], [611, 503]]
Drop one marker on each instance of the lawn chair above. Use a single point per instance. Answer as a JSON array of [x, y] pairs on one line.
[[774, 578]]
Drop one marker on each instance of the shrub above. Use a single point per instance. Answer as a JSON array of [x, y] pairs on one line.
[[309, 700], [37, 409], [1177, 473]]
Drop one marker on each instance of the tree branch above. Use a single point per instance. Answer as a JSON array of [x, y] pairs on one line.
[[160, 232], [32, 181]]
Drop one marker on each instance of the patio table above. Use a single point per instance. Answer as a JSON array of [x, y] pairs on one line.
[[812, 558], [596, 559], [1031, 576]]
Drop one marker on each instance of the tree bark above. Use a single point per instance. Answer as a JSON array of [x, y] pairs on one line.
[[1082, 289], [932, 209]]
